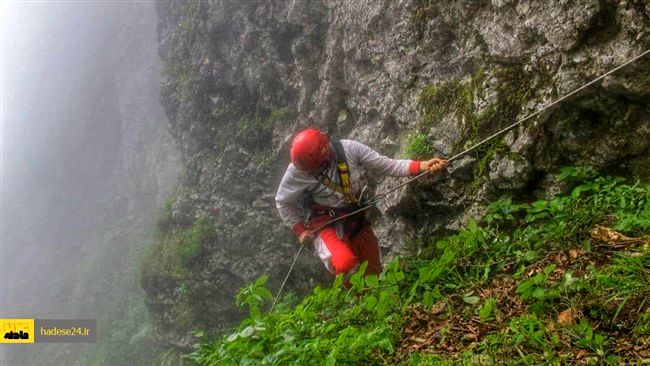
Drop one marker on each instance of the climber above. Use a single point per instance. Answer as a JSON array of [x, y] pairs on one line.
[[323, 181]]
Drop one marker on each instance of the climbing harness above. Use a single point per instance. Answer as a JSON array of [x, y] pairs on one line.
[[373, 201], [344, 175], [308, 206]]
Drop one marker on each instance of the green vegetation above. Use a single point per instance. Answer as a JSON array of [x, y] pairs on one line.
[[256, 132], [127, 337], [253, 131], [175, 248], [280, 114], [457, 98], [490, 150], [163, 219], [419, 146], [420, 17], [552, 281], [452, 97], [183, 79], [191, 16], [170, 258]]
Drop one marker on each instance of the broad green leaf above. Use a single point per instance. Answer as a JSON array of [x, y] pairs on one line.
[[427, 299], [549, 269], [331, 358], [524, 287], [371, 302], [338, 281], [247, 332], [232, 337], [538, 293], [372, 281], [530, 256]]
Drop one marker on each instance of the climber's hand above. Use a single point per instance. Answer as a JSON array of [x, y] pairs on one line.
[[306, 237], [434, 166]]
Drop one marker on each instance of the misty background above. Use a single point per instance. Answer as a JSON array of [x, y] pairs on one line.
[[86, 161]]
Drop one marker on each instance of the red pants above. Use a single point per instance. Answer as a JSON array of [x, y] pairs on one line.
[[348, 252]]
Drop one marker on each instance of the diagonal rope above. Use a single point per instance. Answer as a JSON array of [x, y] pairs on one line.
[[295, 259], [373, 201]]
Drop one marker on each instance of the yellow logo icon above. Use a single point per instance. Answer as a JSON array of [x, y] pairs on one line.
[[17, 330]]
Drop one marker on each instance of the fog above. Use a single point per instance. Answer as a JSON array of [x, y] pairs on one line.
[[86, 159]]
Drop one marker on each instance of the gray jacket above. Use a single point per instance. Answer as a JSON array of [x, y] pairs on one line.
[[361, 160]]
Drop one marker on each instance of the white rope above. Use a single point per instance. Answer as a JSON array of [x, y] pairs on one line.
[[381, 196], [295, 259]]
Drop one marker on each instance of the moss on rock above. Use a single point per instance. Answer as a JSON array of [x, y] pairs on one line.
[[458, 98], [174, 250], [418, 146]]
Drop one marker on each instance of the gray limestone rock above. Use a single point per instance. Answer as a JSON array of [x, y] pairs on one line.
[[241, 77]]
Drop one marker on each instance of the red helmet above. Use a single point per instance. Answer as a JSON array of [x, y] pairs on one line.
[[309, 150]]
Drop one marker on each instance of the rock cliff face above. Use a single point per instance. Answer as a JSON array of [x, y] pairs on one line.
[[412, 78]]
